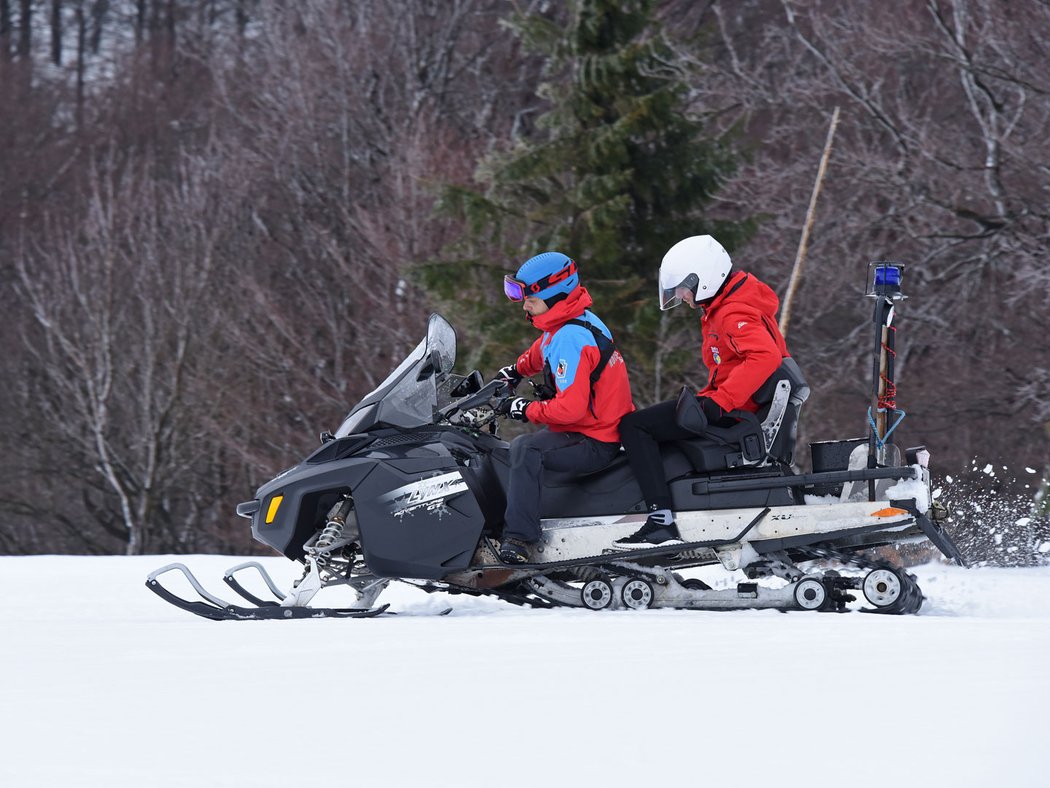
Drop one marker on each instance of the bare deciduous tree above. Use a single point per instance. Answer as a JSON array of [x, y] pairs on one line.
[[125, 324]]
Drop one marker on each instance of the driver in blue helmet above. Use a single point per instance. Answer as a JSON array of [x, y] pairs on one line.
[[586, 384]]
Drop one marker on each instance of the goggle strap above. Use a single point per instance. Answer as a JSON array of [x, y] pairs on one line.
[[558, 276]]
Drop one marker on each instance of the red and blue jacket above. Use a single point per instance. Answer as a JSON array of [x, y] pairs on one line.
[[571, 353], [742, 342]]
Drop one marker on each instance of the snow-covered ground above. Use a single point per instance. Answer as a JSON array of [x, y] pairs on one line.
[[103, 684]]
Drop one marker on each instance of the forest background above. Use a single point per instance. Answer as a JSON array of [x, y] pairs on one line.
[[222, 222]]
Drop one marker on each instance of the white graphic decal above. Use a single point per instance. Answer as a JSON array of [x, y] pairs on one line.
[[428, 495]]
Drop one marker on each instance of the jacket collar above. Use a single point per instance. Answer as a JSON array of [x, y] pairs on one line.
[[563, 311], [736, 281]]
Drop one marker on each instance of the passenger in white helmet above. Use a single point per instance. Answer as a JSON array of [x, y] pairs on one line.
[[742, 347]]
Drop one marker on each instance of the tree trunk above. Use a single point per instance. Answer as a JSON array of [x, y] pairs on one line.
[[140, 20], [25, 29], [56, 32], [98, 16], [5, 30], [81, 55]]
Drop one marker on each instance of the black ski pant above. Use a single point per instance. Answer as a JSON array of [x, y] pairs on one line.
[[642, 432], [530, 456]]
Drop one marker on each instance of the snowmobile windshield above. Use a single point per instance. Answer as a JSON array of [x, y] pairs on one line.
[[409, 395]]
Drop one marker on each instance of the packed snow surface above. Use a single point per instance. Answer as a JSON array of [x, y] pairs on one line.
[[104, 684]]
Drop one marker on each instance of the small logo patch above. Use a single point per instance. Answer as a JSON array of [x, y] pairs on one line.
[[563, 365], [741, 324], [717, 354]]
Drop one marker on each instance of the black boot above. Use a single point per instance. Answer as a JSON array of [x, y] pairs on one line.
[[514, 551], [652, 533]]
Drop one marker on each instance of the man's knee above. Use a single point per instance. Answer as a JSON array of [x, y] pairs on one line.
[[520, 449], [630, 421], [632, 426]]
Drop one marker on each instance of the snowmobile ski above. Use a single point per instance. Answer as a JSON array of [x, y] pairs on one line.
[[217, 609]]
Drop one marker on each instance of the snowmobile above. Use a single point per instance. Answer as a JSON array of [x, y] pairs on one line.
[[411, 488]]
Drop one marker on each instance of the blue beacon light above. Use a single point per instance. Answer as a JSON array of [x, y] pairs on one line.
[[888, 275]]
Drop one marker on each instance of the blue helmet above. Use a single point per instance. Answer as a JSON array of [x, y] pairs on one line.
[[549, 275]]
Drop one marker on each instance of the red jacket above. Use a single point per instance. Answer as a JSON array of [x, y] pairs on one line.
[[572, 353], [742, 342]]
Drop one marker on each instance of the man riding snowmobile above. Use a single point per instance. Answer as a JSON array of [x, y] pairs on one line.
[[585, 378]]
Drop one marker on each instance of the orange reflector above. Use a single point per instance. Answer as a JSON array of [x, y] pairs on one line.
[[275, 503], [889, 511]]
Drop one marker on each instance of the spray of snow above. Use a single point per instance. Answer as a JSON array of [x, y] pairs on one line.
[[994, 517]]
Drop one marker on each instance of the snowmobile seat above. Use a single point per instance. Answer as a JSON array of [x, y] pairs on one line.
[[756, 439], [609, 490]]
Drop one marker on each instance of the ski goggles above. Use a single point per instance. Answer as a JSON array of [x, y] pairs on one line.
[[517, 290]]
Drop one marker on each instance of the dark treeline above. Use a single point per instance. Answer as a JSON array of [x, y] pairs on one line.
[[224, 221]]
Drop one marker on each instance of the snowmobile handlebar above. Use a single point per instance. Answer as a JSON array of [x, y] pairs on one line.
[[485, 397]]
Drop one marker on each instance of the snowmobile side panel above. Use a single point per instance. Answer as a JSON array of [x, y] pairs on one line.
[[768, 529], [569, 546], [418, 518], [487, 480], [861, 536]]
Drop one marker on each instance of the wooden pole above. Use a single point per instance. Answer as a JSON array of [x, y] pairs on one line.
[[881, 416], [803, 243]]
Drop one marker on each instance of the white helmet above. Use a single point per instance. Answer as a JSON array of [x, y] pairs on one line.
[[699, 264]]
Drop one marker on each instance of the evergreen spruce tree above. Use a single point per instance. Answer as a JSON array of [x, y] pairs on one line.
[[615, 172]]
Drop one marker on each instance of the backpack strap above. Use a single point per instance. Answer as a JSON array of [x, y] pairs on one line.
[[606, 348]]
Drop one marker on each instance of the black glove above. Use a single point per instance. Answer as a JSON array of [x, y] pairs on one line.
[[711, 409], [514, 407], [510, 374]]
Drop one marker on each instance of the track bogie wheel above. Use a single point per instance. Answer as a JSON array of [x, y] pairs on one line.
[[637, 594], [884, 587], [810, 594], [597, 594]]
